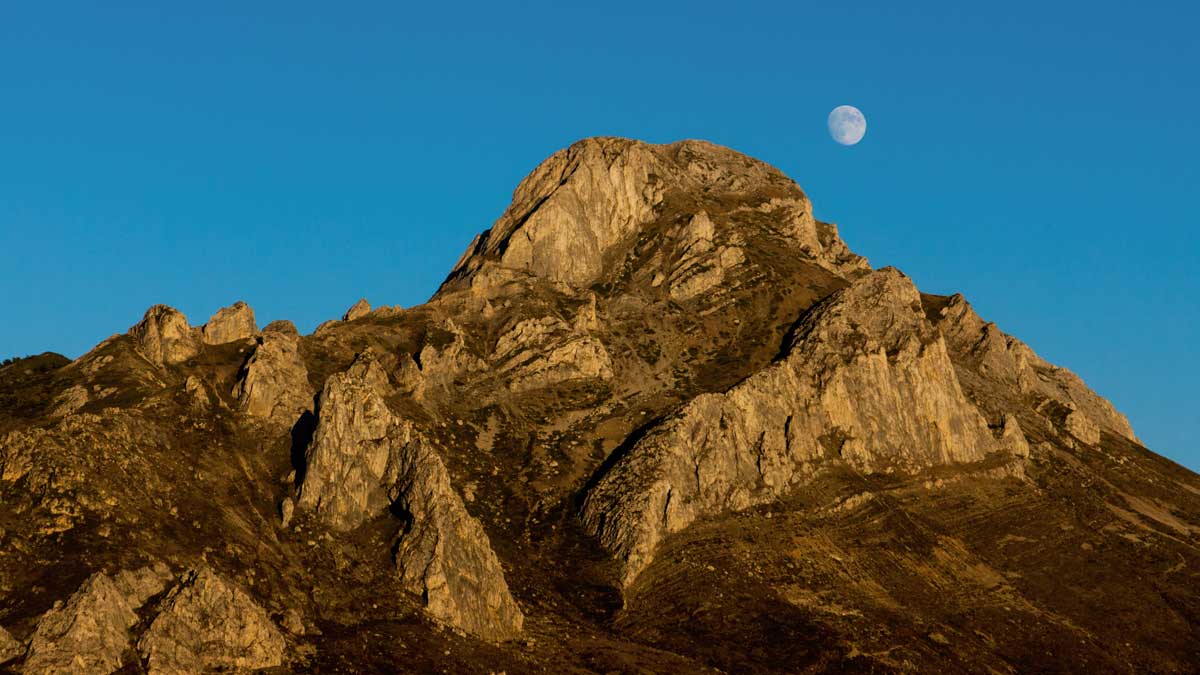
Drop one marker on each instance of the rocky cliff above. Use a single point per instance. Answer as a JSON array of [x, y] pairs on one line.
[[658, 418], [865, 381]]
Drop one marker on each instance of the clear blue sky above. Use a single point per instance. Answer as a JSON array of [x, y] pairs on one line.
[[1039, 157]]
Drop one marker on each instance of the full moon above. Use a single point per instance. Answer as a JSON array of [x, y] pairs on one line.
[[847, 124]]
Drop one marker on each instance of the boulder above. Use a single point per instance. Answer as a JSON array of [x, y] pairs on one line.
[[1082, 427], [197, 392], [286, 509], [1013, 438], [441, 363], [141, 584], [281, 326]]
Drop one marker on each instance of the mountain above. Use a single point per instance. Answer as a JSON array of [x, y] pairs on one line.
[[657, 419]]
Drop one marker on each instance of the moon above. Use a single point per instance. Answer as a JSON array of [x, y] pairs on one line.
[[847, 124]]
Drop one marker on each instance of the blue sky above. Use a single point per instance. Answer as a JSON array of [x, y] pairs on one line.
[[1041, 157]]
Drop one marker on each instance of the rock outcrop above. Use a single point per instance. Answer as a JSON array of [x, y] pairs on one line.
[[70, 401], [139, 585], [164, 337], [1079, 425], [866, 381], [235, 322], [273, 384], [197, 391], [90, 633], [1012, 438], [358, 310], [206, 624], [364, 459], [1012, 364], [703, 261], [547, 351], [444, 555], [353, 459], [440, 364]]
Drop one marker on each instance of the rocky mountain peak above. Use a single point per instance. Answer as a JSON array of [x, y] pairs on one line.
[[573, 219], [658, 419]]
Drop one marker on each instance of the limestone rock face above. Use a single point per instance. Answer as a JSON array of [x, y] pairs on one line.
[[163, 336], [273, 384], [9, 647], [1007, 360], [207, 624], [703, 262], [352, 460], [439, 365], [1082, 427], [365, 459], [866, 381], [359, 310], [571, 214], [90, 633], [235, 322], [198, 393], [1012, 438], [573, 208], [819, 240], [546, 351], [445, 556]]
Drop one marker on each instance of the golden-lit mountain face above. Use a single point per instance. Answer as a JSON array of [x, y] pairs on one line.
[[658, 419]]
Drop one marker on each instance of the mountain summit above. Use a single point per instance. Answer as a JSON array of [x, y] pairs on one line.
[[658, 418], [573, 219]]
